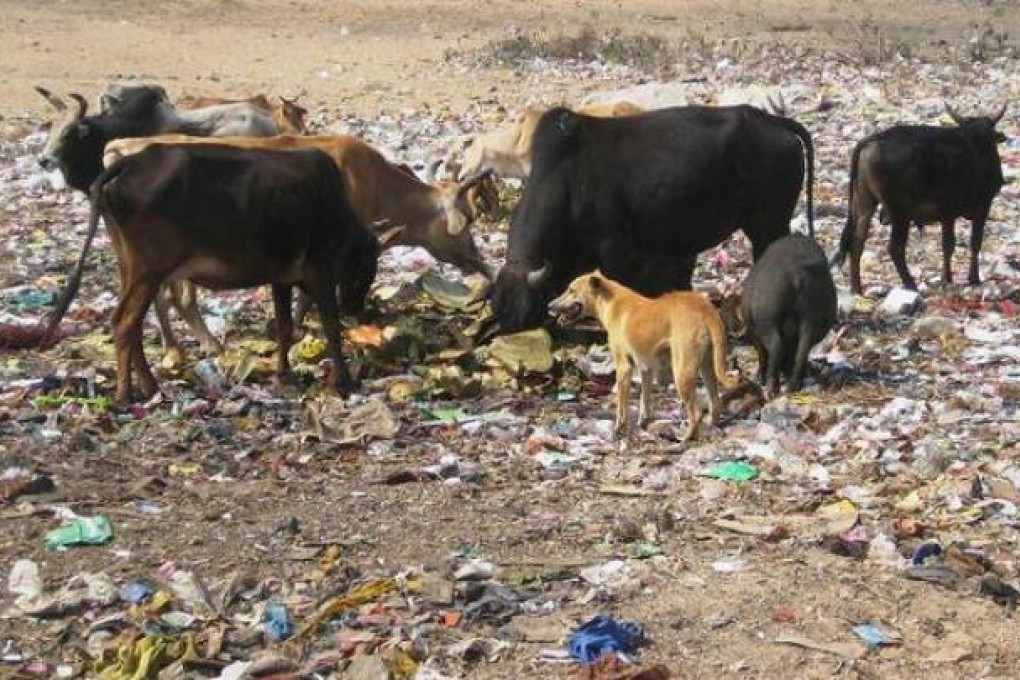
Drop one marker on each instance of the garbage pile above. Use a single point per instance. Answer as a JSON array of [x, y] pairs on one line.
[[468, 512]]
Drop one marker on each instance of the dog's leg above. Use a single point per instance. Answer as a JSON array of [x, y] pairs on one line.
[[624, 372], [685, 376], [711, 384], [647, 380]]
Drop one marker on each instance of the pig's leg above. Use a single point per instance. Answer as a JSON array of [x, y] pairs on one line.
[[796, 379], [774, 347]]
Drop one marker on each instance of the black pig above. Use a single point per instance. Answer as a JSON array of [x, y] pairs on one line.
[[788, 305]]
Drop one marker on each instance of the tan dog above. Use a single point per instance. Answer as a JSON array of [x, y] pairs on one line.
[[644, 332]]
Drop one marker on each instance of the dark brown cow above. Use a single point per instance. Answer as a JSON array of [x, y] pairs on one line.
[[223, 218]]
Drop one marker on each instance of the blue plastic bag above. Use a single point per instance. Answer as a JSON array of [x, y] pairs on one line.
[[604, 634]]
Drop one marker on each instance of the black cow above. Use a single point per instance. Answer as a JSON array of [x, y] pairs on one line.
[[639, 197], [226, 217], [76, 141], [923, 174]]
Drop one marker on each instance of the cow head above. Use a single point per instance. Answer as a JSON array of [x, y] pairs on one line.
[[357, 271], [520, 296], [74, 145], [980, 129], [451, 239], [291, 116], [124, 97]]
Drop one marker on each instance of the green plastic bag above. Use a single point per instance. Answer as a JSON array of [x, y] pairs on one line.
[[731, 471], [81, 531]]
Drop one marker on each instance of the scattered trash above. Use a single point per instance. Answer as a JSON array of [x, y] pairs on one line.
[[604, 634], [281, 516], [278, 623], [900, 302], [877, 636], [80, 531], [731, 471], [845, 650]]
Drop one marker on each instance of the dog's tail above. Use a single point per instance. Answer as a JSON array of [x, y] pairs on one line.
[[717, 334]]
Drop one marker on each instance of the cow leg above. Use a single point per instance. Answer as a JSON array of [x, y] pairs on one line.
[[173, 355], [282, 294], [325, 299], [948, 246], [135, 299], [186, 299], [685, 272], [304, 303], [863, 207], [977, 237], [898, 252]]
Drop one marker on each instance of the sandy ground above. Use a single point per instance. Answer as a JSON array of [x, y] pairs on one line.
[[366, 55]]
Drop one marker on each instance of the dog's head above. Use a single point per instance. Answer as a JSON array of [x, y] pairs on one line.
[[579, 299]]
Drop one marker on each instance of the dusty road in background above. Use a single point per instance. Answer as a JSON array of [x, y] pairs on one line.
[[363, 56]]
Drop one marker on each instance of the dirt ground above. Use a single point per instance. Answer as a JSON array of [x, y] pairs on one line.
[[360, 57], [363, 56]]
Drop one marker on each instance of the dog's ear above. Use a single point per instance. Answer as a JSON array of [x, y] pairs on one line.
[[596, 284]]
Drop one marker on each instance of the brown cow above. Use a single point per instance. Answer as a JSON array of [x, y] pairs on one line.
[[288, 116], [507, 151], [400, 208]]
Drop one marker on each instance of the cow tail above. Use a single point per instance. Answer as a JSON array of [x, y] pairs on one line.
[[73, 283], [717, 334], [809, 153], [846, 239]]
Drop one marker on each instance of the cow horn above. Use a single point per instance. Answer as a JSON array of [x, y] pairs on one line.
[[470, 182], [55, 101], [430, 172], [390, 234], [82, 105], [536, 277], [997, 117], [957, 118]]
